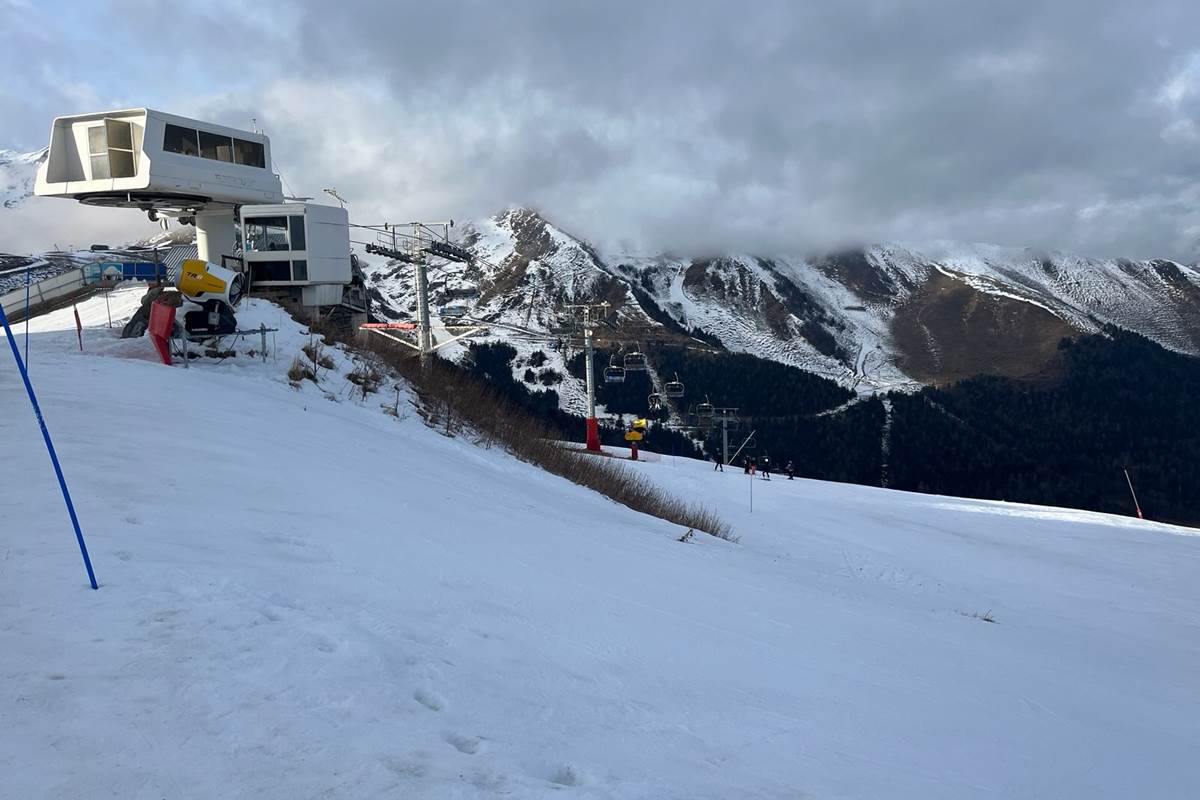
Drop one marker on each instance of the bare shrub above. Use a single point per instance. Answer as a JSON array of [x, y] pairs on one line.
[[298, 371], [316, 353], [367, 377]]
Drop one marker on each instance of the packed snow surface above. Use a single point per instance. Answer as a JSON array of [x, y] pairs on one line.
[[302, 596]]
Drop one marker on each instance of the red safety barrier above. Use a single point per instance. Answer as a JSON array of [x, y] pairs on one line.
[[393, 326], [162, 323]]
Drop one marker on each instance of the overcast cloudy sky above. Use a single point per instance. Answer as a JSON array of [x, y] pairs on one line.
[[685, 125]]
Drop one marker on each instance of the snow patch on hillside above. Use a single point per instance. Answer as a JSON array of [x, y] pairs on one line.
[[17, 174]]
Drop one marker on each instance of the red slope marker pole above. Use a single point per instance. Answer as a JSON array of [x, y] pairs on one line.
[[1135, 502], [37, 412], [78, 327]]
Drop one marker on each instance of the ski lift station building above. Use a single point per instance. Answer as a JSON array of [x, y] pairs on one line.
[[298, 245], [211, 175], [141, 158]]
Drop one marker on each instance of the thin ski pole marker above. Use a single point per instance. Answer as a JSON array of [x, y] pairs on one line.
[[27, 267], [1136, 506]]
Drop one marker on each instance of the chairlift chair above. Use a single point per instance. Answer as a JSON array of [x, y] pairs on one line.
[[654, 401], [613, 373], [673, 388], [635, 361], [705, 409]]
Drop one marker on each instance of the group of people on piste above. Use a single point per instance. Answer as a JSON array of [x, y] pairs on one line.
[[751, 466]]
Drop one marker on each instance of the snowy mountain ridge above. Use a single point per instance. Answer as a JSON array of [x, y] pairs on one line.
[[17, 174], [878, 317]]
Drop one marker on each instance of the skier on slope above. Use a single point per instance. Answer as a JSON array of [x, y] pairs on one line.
[[718, 464], [791, 470], [753, 467], [766, 467]]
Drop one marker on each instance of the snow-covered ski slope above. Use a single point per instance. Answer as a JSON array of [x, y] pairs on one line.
[[305, 597]]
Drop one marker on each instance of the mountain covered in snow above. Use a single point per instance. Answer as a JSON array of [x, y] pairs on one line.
[[17, 174], [877, 317]]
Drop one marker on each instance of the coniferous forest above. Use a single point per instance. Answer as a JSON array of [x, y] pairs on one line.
[[1121, 402]]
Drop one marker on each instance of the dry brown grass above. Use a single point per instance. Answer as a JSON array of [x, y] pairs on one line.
[[298, 371], [316, 353], [456, 403], [367, 376]]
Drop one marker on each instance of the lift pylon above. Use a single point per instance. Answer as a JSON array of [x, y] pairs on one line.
[[593, 427]]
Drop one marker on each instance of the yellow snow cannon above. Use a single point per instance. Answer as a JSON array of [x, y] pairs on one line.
[[202, 282], [216, 290]]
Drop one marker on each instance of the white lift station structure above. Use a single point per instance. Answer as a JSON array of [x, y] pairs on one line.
[[209, 175], [301, 245]]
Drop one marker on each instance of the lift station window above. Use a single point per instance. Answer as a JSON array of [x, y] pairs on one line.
[[249, 153], [182, 140], [268, 271], [299, 269], [296, 227], [215, 146], [110, 149], [267, 233], [98, 151]]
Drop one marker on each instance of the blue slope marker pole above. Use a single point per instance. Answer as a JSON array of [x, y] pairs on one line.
[[27, 266], [37, 412]]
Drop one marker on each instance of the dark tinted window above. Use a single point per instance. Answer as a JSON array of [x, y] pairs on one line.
[[248, 153], [216, 147], [180, 140], [270, 271], [299, 269], [296, 227]]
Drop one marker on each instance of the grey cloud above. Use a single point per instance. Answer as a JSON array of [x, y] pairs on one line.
[[702, 125]]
